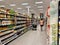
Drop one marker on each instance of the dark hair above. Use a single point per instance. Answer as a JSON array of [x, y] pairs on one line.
[[41, 19]]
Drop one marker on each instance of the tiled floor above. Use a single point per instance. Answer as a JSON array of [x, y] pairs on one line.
[[32, 38]]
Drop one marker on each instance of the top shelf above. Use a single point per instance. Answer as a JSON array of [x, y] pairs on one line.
[[7, 14], [21, 16]]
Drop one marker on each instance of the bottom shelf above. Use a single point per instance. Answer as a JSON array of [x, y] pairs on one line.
[[13, 37], [9, 39]]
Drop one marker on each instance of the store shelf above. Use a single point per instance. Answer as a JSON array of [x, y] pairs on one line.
[[20, 24], [19, 28], [23, 28], [6, 14], [6, 30], [10, 15], [21, 31], [6, 19], [6, 25], [2, 13], [13, 37], [15, 26], [9, 39], [7, 36], [20, 16], [21, 19], [5, 33]]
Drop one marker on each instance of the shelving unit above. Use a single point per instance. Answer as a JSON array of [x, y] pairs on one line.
[[7, 24], [11, 26], [20, 24], [29, 25]]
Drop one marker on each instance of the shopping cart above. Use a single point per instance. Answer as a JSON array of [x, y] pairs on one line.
[[34, 26]]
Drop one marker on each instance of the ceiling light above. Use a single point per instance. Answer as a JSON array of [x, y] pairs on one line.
[[12, 4], [2, 5], [38, 2], [40, 7], [19, 8], [28, 6], [24, 3]]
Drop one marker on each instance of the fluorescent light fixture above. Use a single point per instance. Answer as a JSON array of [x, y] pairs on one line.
[[19, 8], [38, 2], [28, 6], [2, 5], [12, 4], [24, 3], [40, 7]]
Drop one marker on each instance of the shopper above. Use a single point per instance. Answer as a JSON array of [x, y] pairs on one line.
[[41, 23], [34, 22]]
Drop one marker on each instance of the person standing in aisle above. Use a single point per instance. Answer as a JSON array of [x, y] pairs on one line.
[[41, 23], [34, 22]]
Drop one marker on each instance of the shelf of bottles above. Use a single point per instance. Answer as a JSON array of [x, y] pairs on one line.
[[29, 22], [12, 25], [20, 23]]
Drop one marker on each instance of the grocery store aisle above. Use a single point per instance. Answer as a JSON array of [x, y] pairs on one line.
[[32, 38]]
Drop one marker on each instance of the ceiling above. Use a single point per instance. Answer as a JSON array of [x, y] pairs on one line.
[[33, 8]]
